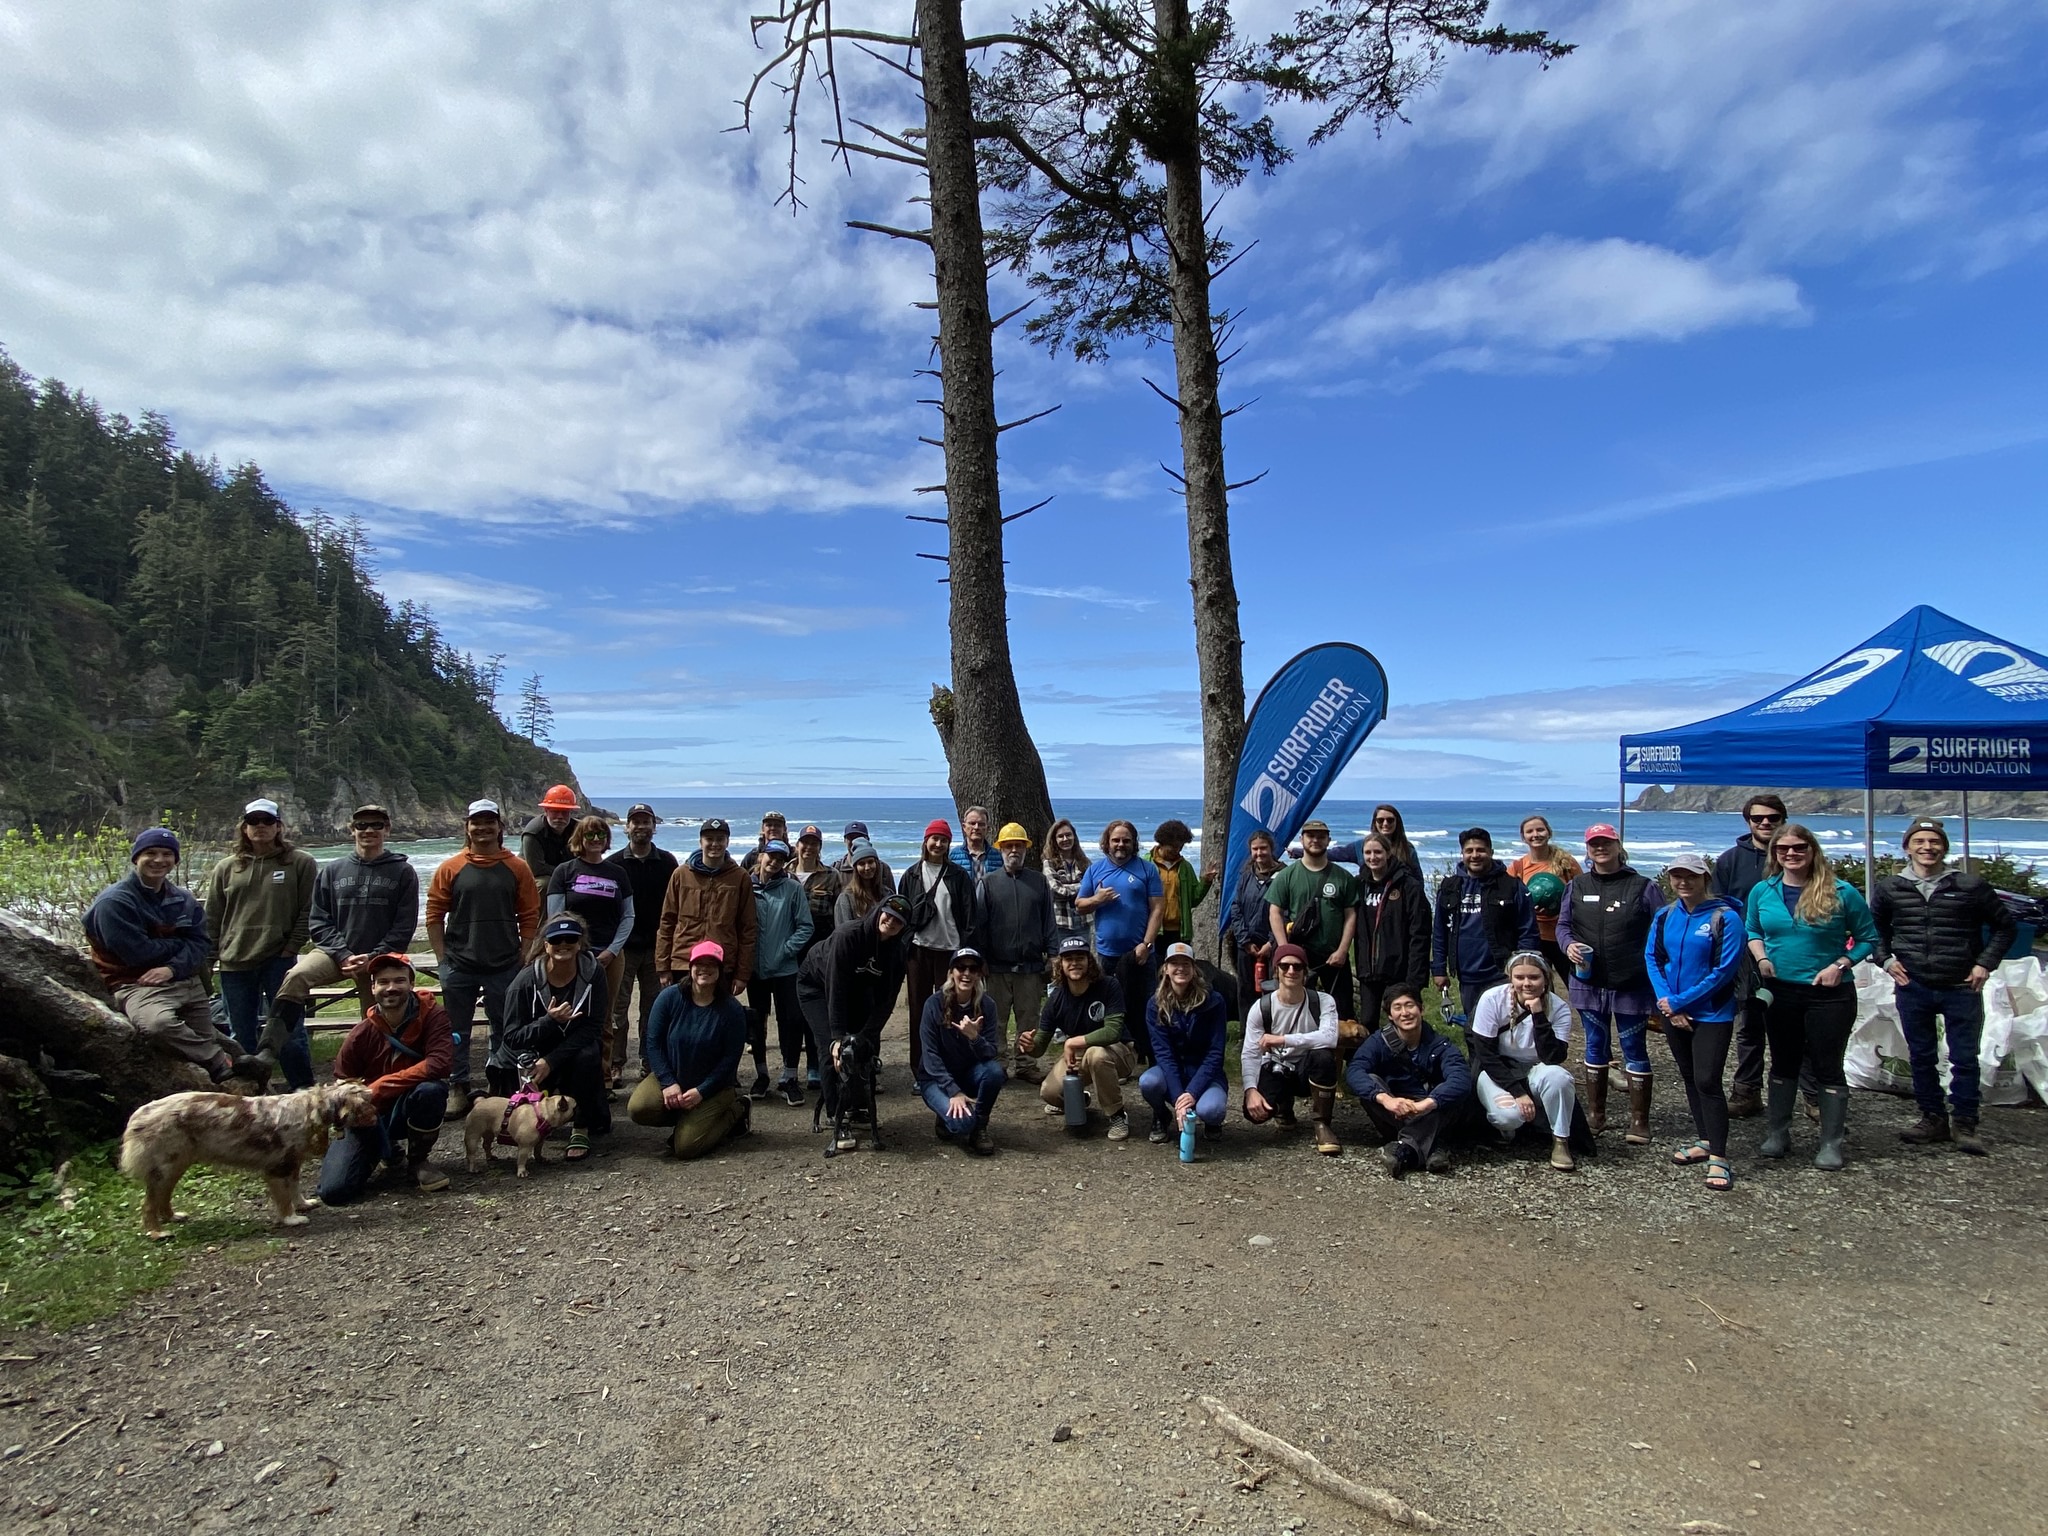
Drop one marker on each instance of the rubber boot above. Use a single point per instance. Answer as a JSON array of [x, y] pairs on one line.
[[1561, 1154], [419, 1148], [285, 1016], [1834, 1128], [1638, 1109], [1596, 1098], [1780, 1095], [1323, 1104]]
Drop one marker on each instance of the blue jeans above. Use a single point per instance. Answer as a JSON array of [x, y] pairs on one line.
[[1209, 1107], [460, 990], [352, 1158], [982, 1087], [1635, 1040], [248, 996], [1962, 1010]]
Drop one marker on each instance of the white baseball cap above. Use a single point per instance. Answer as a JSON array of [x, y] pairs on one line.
[[260, 808], [484, 808]]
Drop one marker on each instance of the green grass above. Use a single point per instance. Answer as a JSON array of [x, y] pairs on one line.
[[326, 1045], [60, 1268]]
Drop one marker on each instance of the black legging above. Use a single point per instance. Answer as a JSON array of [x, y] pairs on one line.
[[1810, 1024], [791, 1027], [1699, 1054]]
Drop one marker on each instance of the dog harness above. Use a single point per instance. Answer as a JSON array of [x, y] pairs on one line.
[[527, 1095]]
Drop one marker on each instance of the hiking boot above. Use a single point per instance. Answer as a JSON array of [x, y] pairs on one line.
[[745, 1126], [253, 1070], [1561, 1154], [1323, 1104], [1967, 1139], [1778, 1100], [1052, 1109], [1120, 1126], [1638, 1109], [1283, 1116], [1745, 1100], [1399, 1159], [981, 1143], [792, 1091], [1812, 1107], [1834, 1128], [1439, 1162], [1596, 1098], [458, 1103], [1927, 1130], [420, 1149]]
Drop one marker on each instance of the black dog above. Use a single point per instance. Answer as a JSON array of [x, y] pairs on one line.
[[853, 1071]]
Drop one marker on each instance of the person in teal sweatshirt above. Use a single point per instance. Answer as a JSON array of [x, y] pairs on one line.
[[1806, 931]]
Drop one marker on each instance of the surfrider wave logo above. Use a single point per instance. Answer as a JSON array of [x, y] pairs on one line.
[[1267, 791], [1828, 682], [2019, 681], [1907, 754]]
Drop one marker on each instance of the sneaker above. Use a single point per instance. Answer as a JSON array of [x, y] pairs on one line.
[[1967, 1139], [1162, 1130], [458, 1103], [745, 1126], [812, 1082], [761, 1088], [1925, 1130], [1398, 1157], [429, 1178], [1053, 1109], [792, 1091], [1120, 1126]]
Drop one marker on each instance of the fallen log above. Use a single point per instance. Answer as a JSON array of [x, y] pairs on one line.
[[1315, 1473]]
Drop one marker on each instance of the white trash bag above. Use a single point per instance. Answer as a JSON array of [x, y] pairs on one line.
[[2012, 1053]]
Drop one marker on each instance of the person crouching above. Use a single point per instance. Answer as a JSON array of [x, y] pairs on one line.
[[695, 1038], [959, 1048], [403, 1050], [1520, 1038], [556, 1011], [1187, 1022], [1412, 1083], [1290, 1050], [1084, 1012]]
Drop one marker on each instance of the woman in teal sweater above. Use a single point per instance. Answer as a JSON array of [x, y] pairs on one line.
[[1807, 930]]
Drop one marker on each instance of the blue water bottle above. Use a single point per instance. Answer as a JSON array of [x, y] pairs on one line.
[[1187, 1138]]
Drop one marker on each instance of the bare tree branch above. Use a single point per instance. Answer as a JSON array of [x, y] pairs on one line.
[[1025, 421], [924, 236]]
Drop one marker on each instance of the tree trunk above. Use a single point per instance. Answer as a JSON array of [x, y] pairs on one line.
[[990, 757], [1219, 644]]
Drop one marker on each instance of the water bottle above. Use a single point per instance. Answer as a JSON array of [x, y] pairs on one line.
[[1259, 982], [1187, 1138], [1074, 1096]]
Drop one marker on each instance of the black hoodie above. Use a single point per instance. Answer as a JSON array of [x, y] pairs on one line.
[[857, 974]]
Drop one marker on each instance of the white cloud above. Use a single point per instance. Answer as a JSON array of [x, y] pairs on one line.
[[1597, 712], [1555, 296], [1100, 597], [463, 595]]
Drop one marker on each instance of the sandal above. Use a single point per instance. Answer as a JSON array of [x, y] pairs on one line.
[[1720, 1175], [579, 1147], [1692, 1152]]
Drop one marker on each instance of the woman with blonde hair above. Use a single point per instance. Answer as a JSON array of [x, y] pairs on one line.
[[1807, 929]]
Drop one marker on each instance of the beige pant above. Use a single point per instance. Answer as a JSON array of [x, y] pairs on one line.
[[177, 1016], [1018, 994], [1103, 1069], [315, 968], [697, 1130]]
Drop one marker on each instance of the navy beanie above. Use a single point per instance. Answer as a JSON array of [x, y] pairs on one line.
[[155, 837]]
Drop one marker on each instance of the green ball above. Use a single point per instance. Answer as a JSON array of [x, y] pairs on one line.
[[1546, 892]]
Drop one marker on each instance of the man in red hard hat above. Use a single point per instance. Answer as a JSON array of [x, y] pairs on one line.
[[544, 841]]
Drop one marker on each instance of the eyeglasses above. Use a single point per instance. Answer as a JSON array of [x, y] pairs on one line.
[[1768, 819]]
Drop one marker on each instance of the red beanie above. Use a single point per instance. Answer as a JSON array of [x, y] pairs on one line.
[[939, 829]]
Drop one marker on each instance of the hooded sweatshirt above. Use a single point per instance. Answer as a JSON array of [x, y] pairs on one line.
[[489, 908], [782, 908], [1480, 921], [946, 1058], [423, 1052], [1393, 928], [704, 903], [530, 1029], [133, 929], [365, 907], [256, 908], [855, 975]]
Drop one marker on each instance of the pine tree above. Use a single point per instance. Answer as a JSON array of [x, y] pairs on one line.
[[535, 716]]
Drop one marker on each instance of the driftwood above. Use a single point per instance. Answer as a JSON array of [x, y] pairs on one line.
[[65, 1043], [1315, 1473]]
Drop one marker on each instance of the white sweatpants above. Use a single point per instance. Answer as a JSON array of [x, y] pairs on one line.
[[1550, 1087]]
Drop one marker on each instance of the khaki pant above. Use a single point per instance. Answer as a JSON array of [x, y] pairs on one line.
[[1018, 993], [1103, 1069], [698, 1130], [177, 1016], [316, 968]]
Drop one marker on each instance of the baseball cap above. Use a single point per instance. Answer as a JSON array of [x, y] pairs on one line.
[[1180, 951], [706, 949], [481, 808], [810, 834], [371, 813], [774, 818], [896, 907], [776, 845], [1692, 863], [715, 825], [260, 808], [856, 829], [1075, 944], [563, 927], [1315, 826], [939, 828], [388, 959], [642, 809], [1602, 829], [967, 955]]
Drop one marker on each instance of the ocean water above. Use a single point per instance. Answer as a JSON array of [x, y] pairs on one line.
[[896, 826]]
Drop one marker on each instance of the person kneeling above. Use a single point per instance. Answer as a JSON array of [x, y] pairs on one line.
[[1519, 1041], [1412, 1083], [696, 1035], [1084, 1012], [958, 1049], [1290, 1049], [556, 1012], [1187, 1022], [403, 1050]]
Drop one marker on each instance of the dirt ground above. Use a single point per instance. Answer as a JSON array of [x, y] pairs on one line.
[[770, 1342]]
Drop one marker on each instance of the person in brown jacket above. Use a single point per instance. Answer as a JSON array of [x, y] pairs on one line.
[[709, 898], [403, 1049]]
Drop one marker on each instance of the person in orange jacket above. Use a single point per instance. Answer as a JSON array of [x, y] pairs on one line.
[[483, 911], [402, 1049]]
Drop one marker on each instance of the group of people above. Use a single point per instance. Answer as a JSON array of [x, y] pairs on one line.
[[1063, 966]]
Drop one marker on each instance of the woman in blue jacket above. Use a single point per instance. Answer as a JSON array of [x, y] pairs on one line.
[[957, 1064], [1806, 931], [1188, 1023], [1693, 956]]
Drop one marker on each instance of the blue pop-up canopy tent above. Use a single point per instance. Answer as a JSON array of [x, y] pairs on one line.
[[1927, 703]]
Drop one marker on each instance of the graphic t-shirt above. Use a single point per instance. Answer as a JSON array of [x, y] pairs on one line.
[[594, 892], [1120, 925], [1335, 887]]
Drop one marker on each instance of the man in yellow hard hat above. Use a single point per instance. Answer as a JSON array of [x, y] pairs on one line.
[[1013, 919]]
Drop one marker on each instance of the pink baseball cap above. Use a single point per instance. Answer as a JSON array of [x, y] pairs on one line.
[[704, 949], [1602, 829]]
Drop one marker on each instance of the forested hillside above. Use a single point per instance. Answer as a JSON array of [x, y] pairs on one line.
[[173, 638]]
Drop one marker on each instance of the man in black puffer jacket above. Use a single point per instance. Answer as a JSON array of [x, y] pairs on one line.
[[1931, 936]]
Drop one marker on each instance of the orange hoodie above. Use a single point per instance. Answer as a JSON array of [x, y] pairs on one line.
[[486, 907]]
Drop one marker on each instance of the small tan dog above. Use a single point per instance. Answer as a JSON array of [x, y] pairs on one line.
[[270, 1136], [527, 1128]]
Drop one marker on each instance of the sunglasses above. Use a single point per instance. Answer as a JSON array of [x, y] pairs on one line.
[[1781, 849], [1290, 965], [1765, 820], [370, 826], [569, 942], [259, 821]]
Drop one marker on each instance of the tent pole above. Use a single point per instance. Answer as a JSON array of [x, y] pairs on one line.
[[1869, 846], [1621, 811], [1966, 831]]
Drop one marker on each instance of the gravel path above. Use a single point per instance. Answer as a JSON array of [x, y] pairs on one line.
[[767, 1342]]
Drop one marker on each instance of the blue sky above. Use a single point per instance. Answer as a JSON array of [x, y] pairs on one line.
[[1591, 400]]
